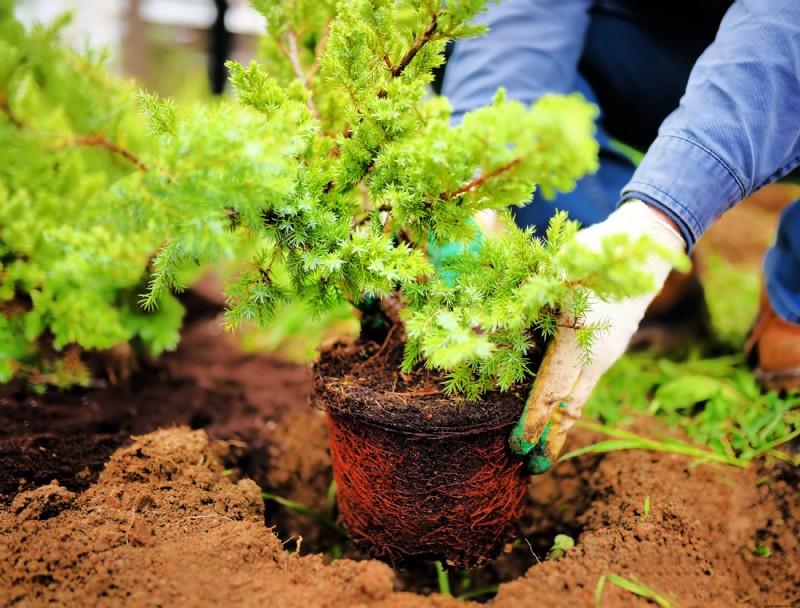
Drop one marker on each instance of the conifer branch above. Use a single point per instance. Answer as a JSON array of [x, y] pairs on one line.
[[103, 142], [397, 70], [469, 187], [293, 55], [6, 109], [424, 38], [86, 140]]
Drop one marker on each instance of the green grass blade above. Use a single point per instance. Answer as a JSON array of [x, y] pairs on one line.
[[602, 447], [332, 500], [478, 593], [303, 510], [633, 586], [442, 578], [625, 440], [598, 591], [780, 441]]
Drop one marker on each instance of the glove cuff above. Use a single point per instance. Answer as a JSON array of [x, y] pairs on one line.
[[634, 212]]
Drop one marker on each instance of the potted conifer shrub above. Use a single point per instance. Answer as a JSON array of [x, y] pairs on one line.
[[369, 198]]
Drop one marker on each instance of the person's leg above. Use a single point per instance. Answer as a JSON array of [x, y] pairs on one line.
[[774, 344], [782, 266], [638, 69], [635, 69]]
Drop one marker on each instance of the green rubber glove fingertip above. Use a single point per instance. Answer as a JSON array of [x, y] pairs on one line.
[[538, 463]]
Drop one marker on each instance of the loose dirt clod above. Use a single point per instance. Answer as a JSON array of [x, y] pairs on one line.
[[42, 503]]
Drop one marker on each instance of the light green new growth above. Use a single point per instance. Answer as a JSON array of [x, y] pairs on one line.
[[341, 169], [561, 544]]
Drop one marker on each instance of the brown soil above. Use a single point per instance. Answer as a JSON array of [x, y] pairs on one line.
[[376, 391], [208, 383], [164, 525], [173, 519]]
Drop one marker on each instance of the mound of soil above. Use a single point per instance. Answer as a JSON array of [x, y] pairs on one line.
[[207, 383], [164, 525]]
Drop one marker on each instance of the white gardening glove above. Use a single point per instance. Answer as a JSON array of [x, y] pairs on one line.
[[564, 380]]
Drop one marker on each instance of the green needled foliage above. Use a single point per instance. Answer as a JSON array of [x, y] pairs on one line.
[[334, 170], [341, 170], [70, 270]]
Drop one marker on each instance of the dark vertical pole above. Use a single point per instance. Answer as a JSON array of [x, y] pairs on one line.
[[220, 43]]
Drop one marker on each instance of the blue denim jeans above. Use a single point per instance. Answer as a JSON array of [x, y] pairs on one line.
[[596, 195], [782, 266]]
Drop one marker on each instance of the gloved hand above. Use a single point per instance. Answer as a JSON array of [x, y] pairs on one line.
[[564, 381]]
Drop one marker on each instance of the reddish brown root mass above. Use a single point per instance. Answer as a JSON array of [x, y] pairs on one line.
[[456, 499], [420, 475]]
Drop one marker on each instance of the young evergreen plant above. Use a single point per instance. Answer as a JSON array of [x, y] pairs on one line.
[[365, 183], [334, 169], [70, 272], [85, 203]]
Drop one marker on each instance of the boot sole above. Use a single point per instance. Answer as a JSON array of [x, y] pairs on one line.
[[782, 380]]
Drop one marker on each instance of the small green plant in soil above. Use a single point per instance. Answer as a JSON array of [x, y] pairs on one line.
[[761, 550], [369, 179], [645, 510], [344, 182], [561, 544], [368, 200]]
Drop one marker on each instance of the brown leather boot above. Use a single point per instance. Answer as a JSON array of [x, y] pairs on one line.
[[773, 348]]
